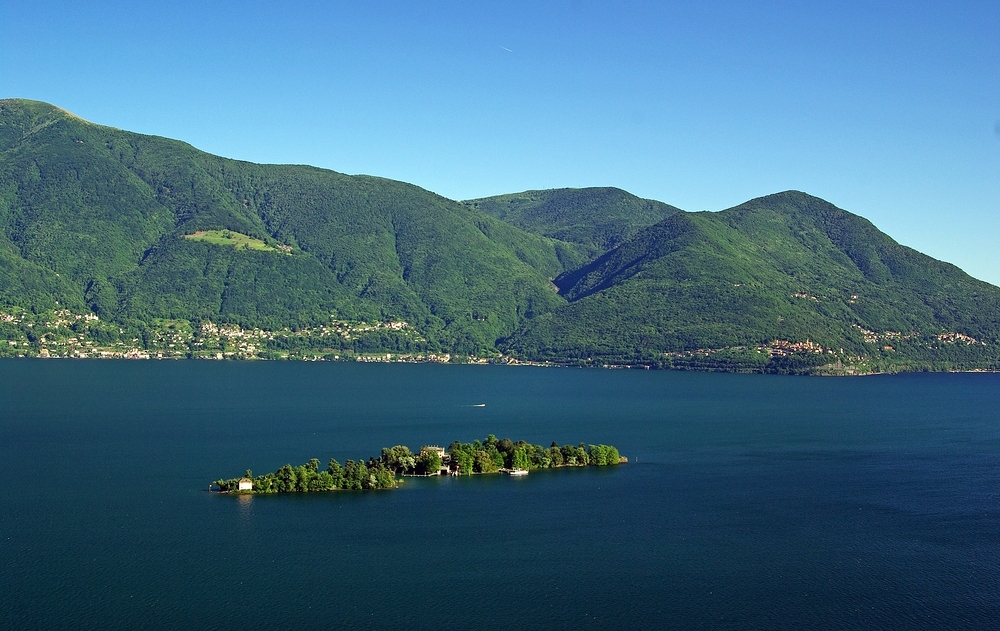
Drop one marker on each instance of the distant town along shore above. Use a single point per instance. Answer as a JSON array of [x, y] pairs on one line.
[[488, 456]]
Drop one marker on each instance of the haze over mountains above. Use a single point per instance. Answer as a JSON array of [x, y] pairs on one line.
[[99, 220]]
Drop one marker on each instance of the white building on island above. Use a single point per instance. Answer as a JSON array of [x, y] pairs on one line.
[[246, 484]]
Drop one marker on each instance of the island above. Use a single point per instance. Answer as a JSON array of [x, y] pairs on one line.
[[478, 457]]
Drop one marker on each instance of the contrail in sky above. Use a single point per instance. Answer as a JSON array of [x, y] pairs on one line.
[[507, 49]]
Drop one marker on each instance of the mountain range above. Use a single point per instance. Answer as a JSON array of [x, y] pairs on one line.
[[143, 238]]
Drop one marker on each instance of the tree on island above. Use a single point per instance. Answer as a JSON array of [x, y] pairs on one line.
[[461, 457], [555, 455], [336, 472], [520, 459], [482, 462], [602, 455], [429, 462], [398, 459]]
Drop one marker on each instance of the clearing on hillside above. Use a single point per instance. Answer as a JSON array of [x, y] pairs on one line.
[[236, 239]]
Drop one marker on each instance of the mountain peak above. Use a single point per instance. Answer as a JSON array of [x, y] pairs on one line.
[[19, 118], [15, 107], [597, 217]]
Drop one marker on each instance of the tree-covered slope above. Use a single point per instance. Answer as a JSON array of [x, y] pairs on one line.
[[25, 284], [106, 209], [787, 267], [598, 218], [132, 229]]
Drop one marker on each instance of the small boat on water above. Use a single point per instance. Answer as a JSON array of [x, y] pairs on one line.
[[518, 472]]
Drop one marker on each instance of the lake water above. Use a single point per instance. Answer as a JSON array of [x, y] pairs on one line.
[[749, 501]]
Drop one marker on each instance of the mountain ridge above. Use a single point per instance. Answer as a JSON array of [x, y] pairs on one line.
[[395, 250], [780, 267], [93, 219], [599, 218]]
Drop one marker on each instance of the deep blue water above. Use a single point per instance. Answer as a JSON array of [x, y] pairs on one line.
[[750, 502]]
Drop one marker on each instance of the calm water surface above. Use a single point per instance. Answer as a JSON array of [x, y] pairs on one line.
[[751, 502]]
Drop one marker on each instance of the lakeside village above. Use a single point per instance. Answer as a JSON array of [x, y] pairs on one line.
[[62, 333], [478, 457]]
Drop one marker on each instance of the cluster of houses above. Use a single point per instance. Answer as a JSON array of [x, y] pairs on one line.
[[952, 338], [783, 348], [405, 358]]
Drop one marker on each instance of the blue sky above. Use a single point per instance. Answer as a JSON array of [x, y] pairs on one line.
[[889, 110]]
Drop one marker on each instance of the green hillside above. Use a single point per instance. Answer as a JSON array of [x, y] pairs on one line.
[[783, 282], [597, 218], [116, 244], [106, 210]]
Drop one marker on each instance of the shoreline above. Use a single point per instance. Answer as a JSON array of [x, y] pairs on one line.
[[818, 372], [62, 333], [624, 460]]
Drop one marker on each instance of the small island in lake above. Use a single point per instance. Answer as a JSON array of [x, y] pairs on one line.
[[488, 456]]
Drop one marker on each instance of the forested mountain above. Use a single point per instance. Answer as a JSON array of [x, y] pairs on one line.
[[776, 272], [135, 244], [93, 217], [598, 218]]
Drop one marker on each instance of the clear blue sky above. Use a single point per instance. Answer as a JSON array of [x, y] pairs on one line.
[[889, 110]]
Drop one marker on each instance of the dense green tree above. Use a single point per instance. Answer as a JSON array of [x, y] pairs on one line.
[[555, 455], [601, 455], [323, 481], [286, 478], [483, 462], [461, 459], [613, 456], [505, 446], [429, 462], [302, 478], [569, 455], [355, 475], [498, 458], [336, 472], [520, 459], [381, 477], [398, 459]]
